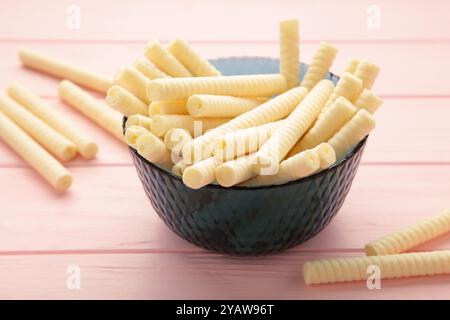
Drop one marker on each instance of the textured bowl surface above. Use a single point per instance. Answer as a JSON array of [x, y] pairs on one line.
[[249, 221]]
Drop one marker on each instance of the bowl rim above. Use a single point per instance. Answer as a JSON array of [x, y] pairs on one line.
[[337, 164]]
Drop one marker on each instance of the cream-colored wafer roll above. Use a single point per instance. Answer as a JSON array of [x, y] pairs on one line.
[[351, 66], [412, 236], [84, 144], [163, 123], [369, 101], [368, 73], [294, 127], [340, 112], [319, 66], [153, 149], [105, 117], [47, 166], [348, 86], [133, 133], [149, 70], [168, 107], [165, 61], [64, 70], [125, 102], [235, 171], [290, 52], [191, 59], [139, 120], [299, 166], [272, 110], [49, 138], [391, 266], [326, 154], [213, 106], [200, 174], [352, 133], [134, 82], [238, 143], [259, 85], [178, 168], [176, 138]]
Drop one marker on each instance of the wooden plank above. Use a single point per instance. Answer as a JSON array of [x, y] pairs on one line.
[[202, 19], [193, 276], [408, 131], [405, 67], [108, 210]]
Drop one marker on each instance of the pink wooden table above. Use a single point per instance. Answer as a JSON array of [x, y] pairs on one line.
[[105, 226]]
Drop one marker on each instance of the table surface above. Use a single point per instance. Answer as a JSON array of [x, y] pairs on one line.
[[105, 224]]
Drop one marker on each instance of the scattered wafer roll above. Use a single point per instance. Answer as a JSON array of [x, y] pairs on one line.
[[163, 123], [49, 138], [149, 70], [352, 133], [259, 85], [191, 59], [139, 120], [105, 117], [125, 102], [178, 168], [369, 101], [165, 61], [391, 266], [47, 166], [134, 82], [84, 144], [214, 106], [321, 63], [351, 66], [167, 107], [238, 143], [176, 138], [336, 116], [289, 52], [368, 73], [294, 127], [153, 149], [298, 166], [64, 70], [272, 110], [133, 133], [410, 237], [200, 174]]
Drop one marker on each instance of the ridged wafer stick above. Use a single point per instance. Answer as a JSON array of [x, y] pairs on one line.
[[105, 117], [64, 70], [321, 63], [289, 52], [191, 59], [134, 82], [49, 138], [47, 166], [139, 120], [215, 106], [133, 133], [84, 144], [200, 174], [165, 61], [412, 236], [391, 266], [260, 85], [167, 107], [125, 102], [149, 70]]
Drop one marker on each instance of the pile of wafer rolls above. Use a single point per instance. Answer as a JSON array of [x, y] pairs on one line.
[[184, 116], [244, 130]]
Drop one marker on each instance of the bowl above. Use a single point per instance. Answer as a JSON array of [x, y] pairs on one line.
[[244, 220]]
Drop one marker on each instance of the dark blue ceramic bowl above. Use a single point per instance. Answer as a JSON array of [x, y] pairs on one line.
[[249, 221]]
